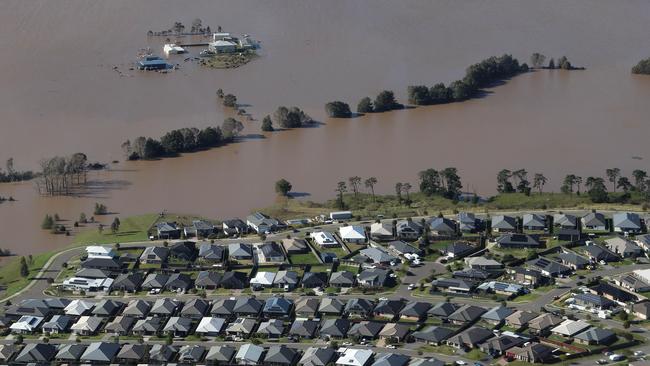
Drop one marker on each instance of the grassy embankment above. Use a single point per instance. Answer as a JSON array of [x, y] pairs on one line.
[[366, 206], [228, 60]]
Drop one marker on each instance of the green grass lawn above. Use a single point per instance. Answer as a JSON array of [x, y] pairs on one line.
[[352, 269], [131, 229], [10, 279], [305, 258], [475, 355], [443, 350]]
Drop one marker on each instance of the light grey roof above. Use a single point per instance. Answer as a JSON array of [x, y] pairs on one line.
[[165, 306], [240, 250], [178, 324], [627, 220], [286, 277], [137, 308], [565, 220], [242, 325], [303, 327], [162, 352], [623, 246], [155, 252], [223, 307], [335, 327], [191, 353], [390, 359], [378, 255], [280, 355], [534, 220], [155, 280], [271, 327], [442, 224], [366, 329], [307, 305], [210, 324], [426, 362], [397, 330], [497, 313], [342, 278], [594, 219], [211, 251], [595, 334], [100, 352], [249, 353], [504, 222], [60, 322], [195, 307], [120, 324], [331, 306], [132, 352], [315, 356], [150, 324], [70, 352], [221, 353]]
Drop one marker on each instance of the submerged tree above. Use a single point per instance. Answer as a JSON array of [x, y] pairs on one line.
[[365, 106], [338, 109], [537, 59], [267, 124]]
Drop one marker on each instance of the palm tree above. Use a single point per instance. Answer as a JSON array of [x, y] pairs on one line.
[[612, 175], [370, 183], [398, 191], [341, 188]]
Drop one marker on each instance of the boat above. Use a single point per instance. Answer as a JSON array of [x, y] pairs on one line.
[[173, 49]]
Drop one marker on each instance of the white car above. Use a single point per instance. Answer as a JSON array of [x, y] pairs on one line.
[[411, 286], [461, 362], [639, 353]]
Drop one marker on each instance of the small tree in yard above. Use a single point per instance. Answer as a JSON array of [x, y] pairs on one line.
[[24, 270], [115, 225], [283, 187]]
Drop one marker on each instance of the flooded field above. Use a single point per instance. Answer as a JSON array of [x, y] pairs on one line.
[[59, 94]]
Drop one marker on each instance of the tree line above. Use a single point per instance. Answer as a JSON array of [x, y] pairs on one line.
[[517, 181], [61, 175], [286, 117], [182, 140], [10, 174], [537, 60]]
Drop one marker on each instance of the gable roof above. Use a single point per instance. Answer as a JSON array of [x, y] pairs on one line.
[[504, 222], [497, 313], [595, 334], [571, 327], [100, 352], [223, 353], [249, 353], [467, 313], [433, 334], [70, 352], [317, 356], [210, 324], [627, 220]]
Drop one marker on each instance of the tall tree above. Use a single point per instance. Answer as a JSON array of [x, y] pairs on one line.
[[596, 189], [231, 128], [451, 182], [624, 184], [612, 175], [537, 59], [283, 187], [539, 181], [430, 182], [341, 188], [569, 182], [503, 182], [398, 191], [370, 183], [115, 225], [24, 270], [406, 187], [639, 179], [355, 182]]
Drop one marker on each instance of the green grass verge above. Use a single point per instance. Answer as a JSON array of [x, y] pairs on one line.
[[131, 229], [10, 279]]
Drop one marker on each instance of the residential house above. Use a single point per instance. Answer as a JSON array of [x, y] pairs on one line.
[[532, 353], [261, 223], [375, 277], [178, 326], [466, 314], [295, 245], [390, 359], [207, 280], [70, 353], [408, 230], [467, 222], [593, 301], [342, 279], [458, 249], [565, 221], [359, 308], [100, 251], [79, 307], [306, 307], [381, 231], [433, 335], [277, 307], [191, 354], [36, 354], [594, 221], [549, 267], [109, 264], [220, 355], [378, 255], [77, 284], [179, 282], [241, 327], [641, 310], [334, 328], [542, 323], [168, 230], [520, 318], [643, 241], [262, 280], [248, 307], [234, 280], [162, 353], [203, 229], [132, 353], [573, 260], [210, 326], [92, 273], [470, 338], [402, 248], [388, 309], [240, 251], [107, 307], [212, 253], [128, 282], [426, 362], [497, 315], [224, 308], [165, 307], [155, 281], [597, 336], [331, 306], [303, 328], [597, 253], [518, 241], [528, 277], [314, 280], [353, 234], [195, 308], [365, 330], [452, 285], [570, 328], [120, 326], [415, 311], [234, 227], [87, 325], [249, 354], [148, 326], [394, 332], [623, 247], [154, 255], [317, 356], [502, 288], [632, 283], [137, 308], [280, 356], [270, 252], [627, 222], [286, 279], [8, 351], [534, 222], [57, 324], [613, 293], [483, 263], [503, 224], [441, 226], [271, 329], [184, 251], [498, 346], [324, 239], [353, 357], [27, 324]]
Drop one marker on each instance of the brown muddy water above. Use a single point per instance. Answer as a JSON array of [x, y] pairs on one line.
[[59, 94]]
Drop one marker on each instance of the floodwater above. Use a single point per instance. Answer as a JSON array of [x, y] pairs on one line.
[[59, 94]]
